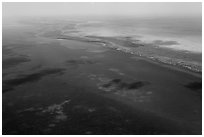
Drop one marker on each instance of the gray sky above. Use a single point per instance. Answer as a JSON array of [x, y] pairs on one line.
[[107, 9]]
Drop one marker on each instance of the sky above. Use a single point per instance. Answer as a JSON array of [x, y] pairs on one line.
[[105, 9]]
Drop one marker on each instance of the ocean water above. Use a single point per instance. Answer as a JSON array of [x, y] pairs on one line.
[[60, 86], [182, 33]]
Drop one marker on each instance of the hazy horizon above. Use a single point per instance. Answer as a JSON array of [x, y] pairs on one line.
[[181, 22], [132, 9]]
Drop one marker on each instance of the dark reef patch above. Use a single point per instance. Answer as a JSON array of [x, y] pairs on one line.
[[14, 61], [12, 83], [136, 85], [118, 84], [79, 62], [194, 85], [116, 80]]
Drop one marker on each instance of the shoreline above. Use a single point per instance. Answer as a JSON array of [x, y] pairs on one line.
[[182, 67]]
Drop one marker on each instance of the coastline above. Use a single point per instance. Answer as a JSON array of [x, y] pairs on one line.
[[104, 41]]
